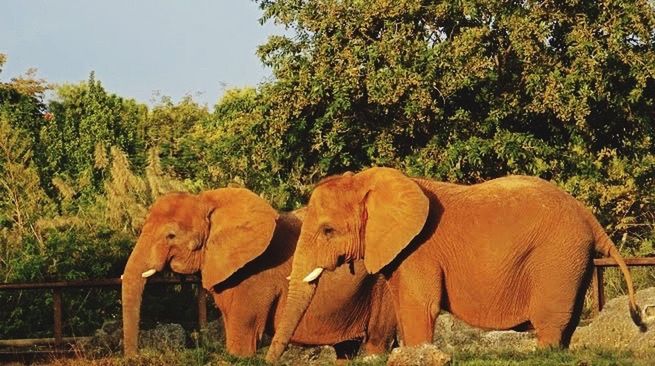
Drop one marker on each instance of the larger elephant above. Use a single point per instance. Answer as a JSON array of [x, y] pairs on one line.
[[244, 249], [510, 253]]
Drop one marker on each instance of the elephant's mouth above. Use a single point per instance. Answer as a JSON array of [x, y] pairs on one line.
[[175, 266], [181, 267], [185, 263]]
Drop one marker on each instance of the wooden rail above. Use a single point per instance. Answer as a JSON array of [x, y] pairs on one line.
[[597, 286], [58, 286]]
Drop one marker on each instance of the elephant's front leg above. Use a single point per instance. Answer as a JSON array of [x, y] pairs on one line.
[[382, 324], [417, 302], [242, 332]]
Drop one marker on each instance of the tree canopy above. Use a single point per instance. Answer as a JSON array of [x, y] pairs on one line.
[[469, 90]]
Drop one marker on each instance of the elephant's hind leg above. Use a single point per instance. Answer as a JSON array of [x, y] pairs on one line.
[[555, 308], [551, 328], [377, 345]]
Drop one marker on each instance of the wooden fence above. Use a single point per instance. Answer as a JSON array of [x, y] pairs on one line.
[[58, 286], [597, 285], [597, 288]]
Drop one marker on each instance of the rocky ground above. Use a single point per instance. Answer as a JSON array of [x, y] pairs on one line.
[[612, 329]]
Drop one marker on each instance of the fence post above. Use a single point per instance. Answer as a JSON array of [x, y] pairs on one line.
[[598, 290], [202, 307], [56, 304]]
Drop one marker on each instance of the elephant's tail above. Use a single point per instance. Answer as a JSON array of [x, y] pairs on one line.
[[605, 246]]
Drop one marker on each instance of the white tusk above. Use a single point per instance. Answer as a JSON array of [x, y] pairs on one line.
[[148, 273], [313, 274], [288, 278], [121, 277]]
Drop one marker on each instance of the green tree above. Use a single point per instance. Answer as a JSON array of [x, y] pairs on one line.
[[86, 118], [166, 128], [233, 147], [22, 201], [466, 91], [22, 106], [128, 195]]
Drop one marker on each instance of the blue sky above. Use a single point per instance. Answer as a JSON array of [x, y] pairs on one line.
[[138, 47]]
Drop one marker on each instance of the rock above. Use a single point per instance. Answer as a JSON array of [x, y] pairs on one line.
[[453, 335], [371, 359], [298, 355], [105, 341], [509, 340], [422, 355], [613, 327], [220, 363], [112, 327], [163, 337], [210, 337], [108, 339]]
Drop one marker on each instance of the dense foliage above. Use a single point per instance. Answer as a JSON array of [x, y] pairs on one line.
[[462, 91], [470, 90]]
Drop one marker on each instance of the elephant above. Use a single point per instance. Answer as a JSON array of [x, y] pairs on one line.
[[244, 249], [510, 253]]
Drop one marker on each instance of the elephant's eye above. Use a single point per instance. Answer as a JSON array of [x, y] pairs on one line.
[[170, 236], [327, 231]]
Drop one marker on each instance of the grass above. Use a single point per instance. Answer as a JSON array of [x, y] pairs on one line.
[[582, 357], [204, 356], [149, 357]]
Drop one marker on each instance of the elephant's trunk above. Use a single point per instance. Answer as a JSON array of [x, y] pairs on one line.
[[298, 299], [132, 291]]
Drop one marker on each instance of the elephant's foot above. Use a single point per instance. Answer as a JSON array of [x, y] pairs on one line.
[[554, 334]]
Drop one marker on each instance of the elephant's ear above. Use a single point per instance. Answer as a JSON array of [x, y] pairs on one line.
[[240, 229], [396, 210]]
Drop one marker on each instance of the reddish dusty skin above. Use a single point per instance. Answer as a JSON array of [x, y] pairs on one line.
[[244, 249], [512, 252]]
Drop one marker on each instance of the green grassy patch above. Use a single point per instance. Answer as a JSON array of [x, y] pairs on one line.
[[203, 356], [583, 357]]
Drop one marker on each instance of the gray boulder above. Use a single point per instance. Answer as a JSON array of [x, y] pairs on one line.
[[454, 335], [613, 328], [163, 337], [313, 356], [109, 339], [105, 341], [422, 355], [210, 337]]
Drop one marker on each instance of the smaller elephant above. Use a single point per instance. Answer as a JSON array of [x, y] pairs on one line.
[[244, 251]]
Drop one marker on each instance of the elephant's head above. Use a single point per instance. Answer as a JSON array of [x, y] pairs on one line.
[[216, 232], [371, 215]]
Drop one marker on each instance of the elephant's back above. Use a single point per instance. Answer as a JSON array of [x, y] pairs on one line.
[[513, 186]]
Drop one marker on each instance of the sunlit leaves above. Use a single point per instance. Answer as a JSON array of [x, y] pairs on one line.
[[467, 91]]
